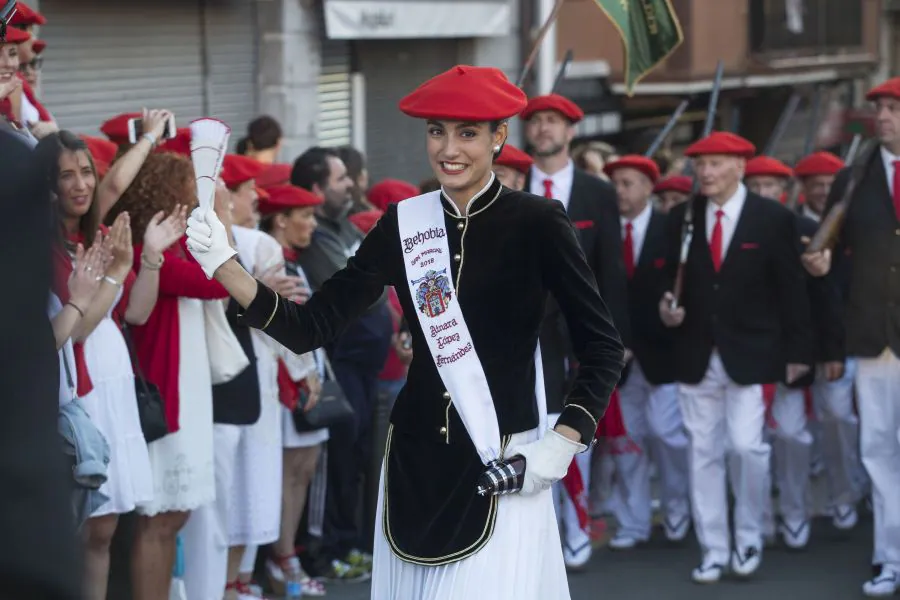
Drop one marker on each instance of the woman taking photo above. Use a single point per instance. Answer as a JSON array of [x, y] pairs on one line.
[[473, 265], [105, 377], [172, 351], [288, 215]]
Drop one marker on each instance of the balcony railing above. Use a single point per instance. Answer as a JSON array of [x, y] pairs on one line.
[[805, 27]]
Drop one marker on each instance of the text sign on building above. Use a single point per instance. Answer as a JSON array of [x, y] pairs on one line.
[[393, 19]]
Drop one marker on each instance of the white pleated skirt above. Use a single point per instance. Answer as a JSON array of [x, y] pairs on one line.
[[522, 560]]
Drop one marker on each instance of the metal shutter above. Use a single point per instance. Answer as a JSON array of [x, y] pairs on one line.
[[105, 57], [395, 143], [233, 63], [335, 127]]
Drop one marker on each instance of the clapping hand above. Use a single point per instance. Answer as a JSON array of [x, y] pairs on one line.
[[286, 286], [671, 317], [9, 87], [163, 231], [87, 271], [120, 248]]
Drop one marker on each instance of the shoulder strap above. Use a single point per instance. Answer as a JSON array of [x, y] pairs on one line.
[[70, 381], [126, 333]]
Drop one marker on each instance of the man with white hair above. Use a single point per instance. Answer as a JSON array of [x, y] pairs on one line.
[[743, 320]]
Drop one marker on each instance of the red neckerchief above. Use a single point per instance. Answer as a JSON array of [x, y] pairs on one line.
[[290, 254]]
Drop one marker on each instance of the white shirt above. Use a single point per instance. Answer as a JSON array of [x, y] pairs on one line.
[[807, 212], [638, 230], [562, 182], [732, 209], [888, 160]]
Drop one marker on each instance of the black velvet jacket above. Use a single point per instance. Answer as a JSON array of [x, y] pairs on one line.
[[518, 249]]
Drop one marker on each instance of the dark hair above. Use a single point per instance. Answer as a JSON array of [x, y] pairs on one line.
[[354, 160], [312, 168], [242, 146], [263, 133], [48, 152]]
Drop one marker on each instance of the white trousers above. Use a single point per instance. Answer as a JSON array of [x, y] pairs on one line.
[[574, 538], [652, 417], [833, 401], [878, 400], [792, 449], [725, 419], [205, 534]]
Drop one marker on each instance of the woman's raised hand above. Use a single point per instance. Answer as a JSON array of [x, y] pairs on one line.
[[87, 271], [120, 247], [163, 231]]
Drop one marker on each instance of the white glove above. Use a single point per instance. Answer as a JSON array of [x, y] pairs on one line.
[[546, 461], [208, 240]]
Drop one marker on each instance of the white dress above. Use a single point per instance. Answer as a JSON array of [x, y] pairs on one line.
[[112, 405], [182, 462], [522, 560]]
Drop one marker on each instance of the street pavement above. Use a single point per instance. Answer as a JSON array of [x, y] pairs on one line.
[[833, 567]]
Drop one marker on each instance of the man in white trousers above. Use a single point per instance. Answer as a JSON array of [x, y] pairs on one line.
[[867, 252], [648, 396], [742, 320]]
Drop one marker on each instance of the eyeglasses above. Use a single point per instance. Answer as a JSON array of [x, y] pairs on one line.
[[35, 64]]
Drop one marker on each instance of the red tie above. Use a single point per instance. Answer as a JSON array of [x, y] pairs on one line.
[[548, 188], [628, 250], [715, 242], [897, 188]]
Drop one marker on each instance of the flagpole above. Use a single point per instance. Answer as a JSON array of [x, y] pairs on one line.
[[538, 42]]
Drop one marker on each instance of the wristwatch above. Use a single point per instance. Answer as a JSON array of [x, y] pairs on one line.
[[150, 138]]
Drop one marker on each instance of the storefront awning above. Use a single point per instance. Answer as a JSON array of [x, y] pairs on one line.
[[394, 19]]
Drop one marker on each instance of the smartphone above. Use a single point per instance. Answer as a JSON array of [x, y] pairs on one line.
[[136, 129]]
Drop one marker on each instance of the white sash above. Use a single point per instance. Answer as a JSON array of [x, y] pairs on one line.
[[426, 255]]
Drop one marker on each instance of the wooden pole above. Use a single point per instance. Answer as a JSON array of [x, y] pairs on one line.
[[538, 42]]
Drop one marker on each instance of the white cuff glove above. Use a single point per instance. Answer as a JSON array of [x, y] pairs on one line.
[[208, 240], [546, 461]]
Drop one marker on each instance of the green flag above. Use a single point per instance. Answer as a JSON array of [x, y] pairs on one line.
[[650, 32]]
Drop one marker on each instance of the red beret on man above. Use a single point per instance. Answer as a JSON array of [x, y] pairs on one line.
[[16, 36], [116, 129], [38, 46], [818, 163], [512, 157], [465, 93], [556, 103], [390, 191], [280, 198], [366, 220], [645, 165], [26, 16], [766, 166], [888, 89], [180, 144], [722, 142], [102, 151], [674, 183], [238, 169], [275, 174]]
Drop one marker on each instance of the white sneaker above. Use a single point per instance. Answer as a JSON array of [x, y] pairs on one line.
[[677, 529], [845, 517], [795, 535], [578, 558], [745, 562], [708, 572], [623, 541], [884, 584]]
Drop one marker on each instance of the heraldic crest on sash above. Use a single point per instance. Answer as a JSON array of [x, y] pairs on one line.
[[433, 294]]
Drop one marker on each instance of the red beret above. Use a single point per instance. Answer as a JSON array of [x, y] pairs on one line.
[[237, 170], [25, 16], [276, 174], [889, 89], [514, 158], [16, 36], [39, 46], [674, 183], [818, 163], [280, 198], [766, 166], [721, 142], [390, 191], [560, 104], [116, 129], [365, 221], [645, 165], [180, 144], [465, 93]]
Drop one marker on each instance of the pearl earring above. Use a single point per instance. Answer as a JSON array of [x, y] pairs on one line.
[[496, 149]]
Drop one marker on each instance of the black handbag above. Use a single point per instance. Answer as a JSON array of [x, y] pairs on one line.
[[151, 409], [332, 408]]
